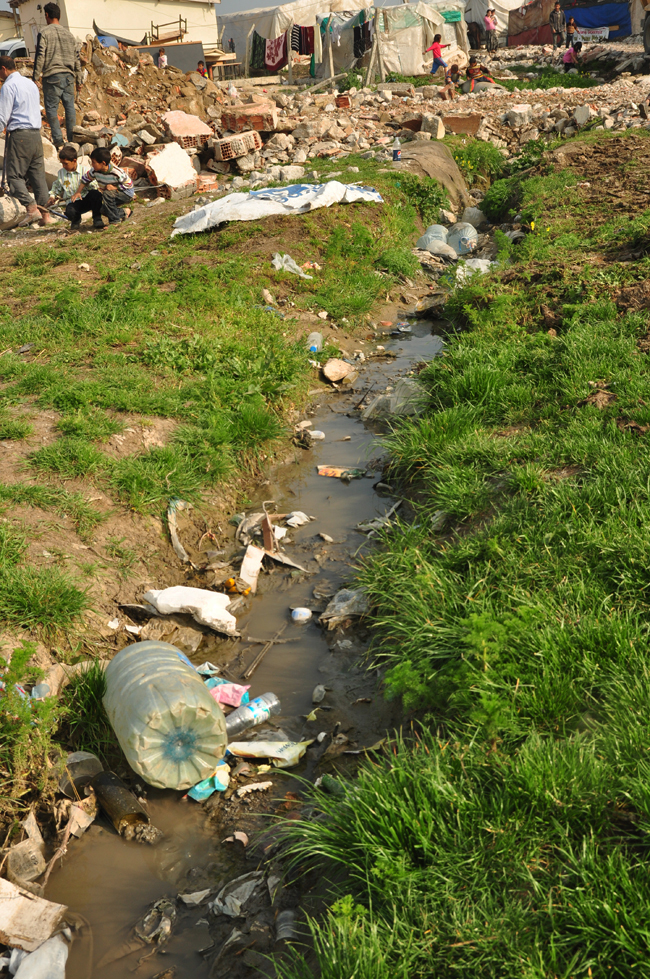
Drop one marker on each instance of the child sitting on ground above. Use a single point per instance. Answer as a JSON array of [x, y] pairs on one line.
[[114, 189], [571, 56], [68, 181]]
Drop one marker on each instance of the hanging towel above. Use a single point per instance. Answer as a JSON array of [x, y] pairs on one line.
[[276, 53], [306, 40], [258, 51]]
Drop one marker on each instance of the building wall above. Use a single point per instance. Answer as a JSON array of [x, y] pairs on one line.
[[123, 17], [7, 26]]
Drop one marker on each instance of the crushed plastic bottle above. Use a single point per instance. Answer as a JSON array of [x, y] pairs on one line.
[[250, 715]]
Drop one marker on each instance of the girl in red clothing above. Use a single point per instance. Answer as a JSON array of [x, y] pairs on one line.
[[437, 47]]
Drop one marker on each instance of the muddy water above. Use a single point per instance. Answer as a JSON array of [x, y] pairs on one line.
[[112, 883]]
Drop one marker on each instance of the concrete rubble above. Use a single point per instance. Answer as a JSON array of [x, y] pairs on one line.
[[181, 134]]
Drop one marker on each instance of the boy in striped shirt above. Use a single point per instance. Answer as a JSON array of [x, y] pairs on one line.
[[115, 188]]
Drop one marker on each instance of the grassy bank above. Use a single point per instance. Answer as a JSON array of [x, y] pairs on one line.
[[135, 369], [511, 835]]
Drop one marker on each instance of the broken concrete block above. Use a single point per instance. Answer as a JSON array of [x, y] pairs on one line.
[[147, 137], [26, 921], [429, 91], [185, 129], [291, 173], [233, 147], [519, 115], [245, 163], [582, 114], [260, 116], [467, 125], [300, 156], [422, 136], [434, 125], [171, 166], [179, 193], [399, 88]]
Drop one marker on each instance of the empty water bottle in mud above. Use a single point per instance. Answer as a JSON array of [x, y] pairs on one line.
[[128, 817], [315, 343], [250, 715], [397, 150]]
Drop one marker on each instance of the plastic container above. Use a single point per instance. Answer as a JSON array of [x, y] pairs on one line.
[[397, 150], [315, 342], [118, 802], [301, 615], [463, 238], [40, 691], [80, 768], [253, 714], [170, 729]]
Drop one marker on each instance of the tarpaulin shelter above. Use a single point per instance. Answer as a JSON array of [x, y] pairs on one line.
[[475, 11], [404, 32], [529, 24]]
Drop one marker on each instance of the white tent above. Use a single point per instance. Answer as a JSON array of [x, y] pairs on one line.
[[475, 11], [406, 31]]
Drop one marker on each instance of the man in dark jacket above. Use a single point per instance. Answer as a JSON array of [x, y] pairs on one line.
[[557, 20], [57, 63]]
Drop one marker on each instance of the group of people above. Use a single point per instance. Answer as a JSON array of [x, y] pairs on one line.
[[474, 72], [100, 187], [564, 32]]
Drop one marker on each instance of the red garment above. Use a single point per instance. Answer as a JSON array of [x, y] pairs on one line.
[[203, 71], [437, 50], [275, 56]]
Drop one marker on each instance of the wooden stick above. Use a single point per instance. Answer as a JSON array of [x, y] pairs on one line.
[[262, 653]]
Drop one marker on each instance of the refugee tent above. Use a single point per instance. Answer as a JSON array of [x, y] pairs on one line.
[[475, 11], [599, 20], [407, 30]]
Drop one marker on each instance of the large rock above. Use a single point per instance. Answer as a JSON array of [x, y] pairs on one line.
[[519, 115], [434, 125], [582, 114], [399, 88], [435, 160]]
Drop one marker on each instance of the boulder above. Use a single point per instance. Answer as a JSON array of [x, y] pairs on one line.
[[434, 125], [519, 115], [335, 370], [434, 159], [582, 114]]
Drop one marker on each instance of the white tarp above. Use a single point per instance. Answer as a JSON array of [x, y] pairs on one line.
[[475, 11], [297, 199], [409, 29]]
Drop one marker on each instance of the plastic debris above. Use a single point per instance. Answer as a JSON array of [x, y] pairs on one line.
[[315, 342], [408, 398], [225, 692], [47, 962], [285, 263], [251, 566], [80, 767], [317, 436], [155, 928], [206, 607], [251, 715], [473, 265], [285, 926], [283, 754], [341, 472], [296, 199], [129, 818], [232, 898], [301, 615], [26, 921], [371, 527], [237, 837], [169, 727], [346, 604], [253, 787], [318, 694], [174, 507], [218, 782], [208, 669], [298, 519], [197, 897]]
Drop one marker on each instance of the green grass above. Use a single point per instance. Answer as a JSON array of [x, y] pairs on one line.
[[87, 727], [509, 839]]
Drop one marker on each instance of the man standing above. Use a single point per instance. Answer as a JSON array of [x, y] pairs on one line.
[[57, 63], [20, 114], [557, 20]]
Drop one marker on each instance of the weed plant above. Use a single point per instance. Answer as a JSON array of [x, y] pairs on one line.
[[509, 838]]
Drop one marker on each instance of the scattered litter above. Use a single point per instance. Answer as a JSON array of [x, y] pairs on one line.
[[197, 897], [174, 507], [312, 715], [296, 199], [251, 566], [323, 314], [284, 754], [315, 343], [317, 435], [128, 817], [113, 624], [362, 700], [301, 615], [341, 472], [326, 538], [26, 921], [285, 926], [254, 787], [321, 737], [169, 727], [346, 604], [473, 265], [407, 398], [237, 837], [318, 694], [361, 751], [47, 962], [208, 669], [247, 526], [206, 607], [298, 519], [285, 263], [133, 630], [371, 527], [155, 928], [218, 782], [232, 898], [224, 692], [335, 370], [80, 768], [257, 712]]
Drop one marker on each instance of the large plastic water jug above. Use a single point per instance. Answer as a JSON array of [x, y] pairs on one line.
[[463, 238], [169, 727], [435, 232]]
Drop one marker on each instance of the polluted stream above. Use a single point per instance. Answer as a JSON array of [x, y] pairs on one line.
[[112, 883]]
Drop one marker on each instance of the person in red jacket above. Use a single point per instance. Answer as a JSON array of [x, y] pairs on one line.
[[437, 47]]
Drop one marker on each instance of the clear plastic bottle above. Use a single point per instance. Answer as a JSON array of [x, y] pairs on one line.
[[315, 343], [397, 150], [250, 715]]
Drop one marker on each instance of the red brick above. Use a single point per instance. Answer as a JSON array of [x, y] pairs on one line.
[[467, 125], [260, 116]]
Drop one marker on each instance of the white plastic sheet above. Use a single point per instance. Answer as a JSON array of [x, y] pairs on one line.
[[296, 199]]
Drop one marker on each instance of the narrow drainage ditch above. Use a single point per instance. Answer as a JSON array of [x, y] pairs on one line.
[[112, 883]]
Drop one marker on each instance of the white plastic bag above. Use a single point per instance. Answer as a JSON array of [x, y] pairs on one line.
[[206, 607], [47, 962]]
